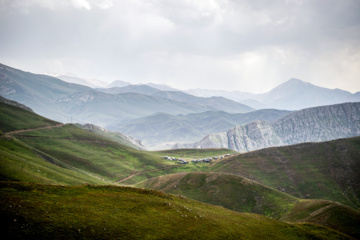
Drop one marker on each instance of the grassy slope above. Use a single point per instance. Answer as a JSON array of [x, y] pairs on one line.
[[230, 191], [116, 137], [326, 213], [243, 195], [70, 148], [91, 152], [327, 170], [32, 211], [19, 162], [12, 118]]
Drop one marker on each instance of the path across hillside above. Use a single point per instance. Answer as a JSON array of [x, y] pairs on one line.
[[33, 129], [141, 172]]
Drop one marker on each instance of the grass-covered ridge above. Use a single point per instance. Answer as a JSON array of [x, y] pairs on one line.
[[243, 195], [15, 118], [20, 162], [32, 211], [326, 213], [230, 191], [93, 153], [326, 170]]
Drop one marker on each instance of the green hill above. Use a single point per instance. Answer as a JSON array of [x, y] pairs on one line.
[[34, 149], [230, 191], [31, 211], [92, 153], [326, 213], [326, 170], [20, 162], [13, 118], [243, 195]]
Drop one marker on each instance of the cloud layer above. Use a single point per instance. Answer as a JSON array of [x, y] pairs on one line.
[[217, 44]]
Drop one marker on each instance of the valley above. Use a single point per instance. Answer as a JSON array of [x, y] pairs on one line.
[[81, 181]]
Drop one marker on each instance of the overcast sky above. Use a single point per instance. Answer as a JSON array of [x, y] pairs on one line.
[[240, 45]]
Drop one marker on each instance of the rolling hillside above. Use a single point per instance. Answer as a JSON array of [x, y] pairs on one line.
[[229, 191], [243, 195], [326, 170], [115, 136], [43, 151], [50, 145], [32, 211]]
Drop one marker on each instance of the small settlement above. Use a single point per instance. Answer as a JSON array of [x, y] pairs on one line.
[[206, 160]]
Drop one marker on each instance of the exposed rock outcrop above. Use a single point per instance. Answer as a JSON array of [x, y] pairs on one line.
[[307, 125]]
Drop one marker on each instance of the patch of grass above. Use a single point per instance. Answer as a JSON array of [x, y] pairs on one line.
[[326, 170], [326, 213], [91, 152], [19, 162], [31, 211], [230, 191], [12, 118]]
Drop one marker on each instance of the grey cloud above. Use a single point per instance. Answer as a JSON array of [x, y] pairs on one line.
[[174, 39]]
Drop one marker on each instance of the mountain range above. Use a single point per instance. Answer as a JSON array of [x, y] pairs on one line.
[[162, 130], [307, 125], [68, 102], [157, 114], [280, 183], [293, 94]]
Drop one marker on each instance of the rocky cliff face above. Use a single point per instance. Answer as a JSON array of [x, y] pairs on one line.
[[307, 125]]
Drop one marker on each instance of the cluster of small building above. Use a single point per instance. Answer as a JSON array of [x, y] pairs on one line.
[[180, 160], [210, 159], [207, 160]]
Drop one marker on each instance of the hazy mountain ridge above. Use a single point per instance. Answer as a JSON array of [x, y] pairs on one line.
[[293, 94], [216, 103], [158, 129], [93, 83], [67, 102], [141, 88], [307, 125]]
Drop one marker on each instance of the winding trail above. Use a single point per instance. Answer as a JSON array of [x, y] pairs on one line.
[[33, 129], [141, 172]]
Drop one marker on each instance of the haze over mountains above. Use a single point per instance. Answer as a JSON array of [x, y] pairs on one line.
[[162, 130], [308, 125], [280, 183], [293, 94], [158, 114]]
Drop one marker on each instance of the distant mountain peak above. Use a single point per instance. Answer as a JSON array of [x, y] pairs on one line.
[[295, 82]]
